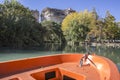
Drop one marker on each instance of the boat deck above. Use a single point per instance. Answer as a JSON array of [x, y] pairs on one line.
[[72, 70], [60, 67]]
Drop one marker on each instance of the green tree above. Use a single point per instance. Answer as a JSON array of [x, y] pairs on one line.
[[52, 32], [18, 27], [100, 29], [93, 26], [94, 13], [77, 25], [110, 26]]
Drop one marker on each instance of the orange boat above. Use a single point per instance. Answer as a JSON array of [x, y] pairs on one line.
[[60, 67]]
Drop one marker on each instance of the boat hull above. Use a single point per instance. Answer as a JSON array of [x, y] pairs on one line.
[[59, 67]]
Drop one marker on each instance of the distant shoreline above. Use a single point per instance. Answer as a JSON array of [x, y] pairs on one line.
[[114, 44], [107, 44]]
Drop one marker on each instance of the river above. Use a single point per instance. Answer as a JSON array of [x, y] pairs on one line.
[[7, 54]]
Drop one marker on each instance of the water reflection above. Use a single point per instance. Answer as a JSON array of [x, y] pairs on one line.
[[53, 47], [109, 52]]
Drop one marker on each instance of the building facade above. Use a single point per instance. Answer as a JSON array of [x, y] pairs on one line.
[[55, 15]]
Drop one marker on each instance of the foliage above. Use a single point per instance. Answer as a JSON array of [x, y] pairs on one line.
[[18, 27], [88, 25], [77, 25], [111, 27], [99, 33], [52, 32]]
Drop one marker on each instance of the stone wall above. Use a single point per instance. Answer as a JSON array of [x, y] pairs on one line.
[[56, 15]]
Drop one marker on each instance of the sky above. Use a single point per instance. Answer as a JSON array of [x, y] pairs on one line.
[[101, 6]]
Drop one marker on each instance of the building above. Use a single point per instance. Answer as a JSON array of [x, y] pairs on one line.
[[55, 15]]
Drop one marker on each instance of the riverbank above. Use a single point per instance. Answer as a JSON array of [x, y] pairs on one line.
[[107, 44], [116, 45]]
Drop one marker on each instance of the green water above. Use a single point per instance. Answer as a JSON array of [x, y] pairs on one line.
[[7, 54]]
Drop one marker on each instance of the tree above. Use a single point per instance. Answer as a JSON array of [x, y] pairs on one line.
[[100, 26], [52, 32], [18, 27], [94, 13], [94, 28], [77, 25], [110, 26]]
